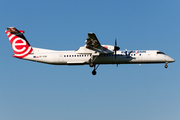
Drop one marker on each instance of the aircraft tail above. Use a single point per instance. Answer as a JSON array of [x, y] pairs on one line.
[[19, 43]]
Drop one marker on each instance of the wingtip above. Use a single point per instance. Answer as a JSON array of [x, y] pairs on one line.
[[90, 33]]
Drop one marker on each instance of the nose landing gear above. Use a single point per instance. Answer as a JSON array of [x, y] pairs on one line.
[[166, 65]]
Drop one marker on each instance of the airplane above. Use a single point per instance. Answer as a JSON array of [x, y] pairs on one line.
[[92, 54]]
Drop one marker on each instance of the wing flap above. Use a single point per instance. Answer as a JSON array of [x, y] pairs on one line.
[[75, 62]]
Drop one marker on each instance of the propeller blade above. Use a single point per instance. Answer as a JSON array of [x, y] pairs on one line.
[[116, 48]]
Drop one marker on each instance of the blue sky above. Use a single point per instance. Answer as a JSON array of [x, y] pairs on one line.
[[37, 91]]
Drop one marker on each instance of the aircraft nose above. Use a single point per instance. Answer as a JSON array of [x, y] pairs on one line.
[[169, 59]]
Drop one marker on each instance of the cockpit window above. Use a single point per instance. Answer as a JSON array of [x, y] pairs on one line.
[[160, 53]]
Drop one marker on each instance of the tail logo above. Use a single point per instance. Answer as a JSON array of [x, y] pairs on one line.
[[19, 45]]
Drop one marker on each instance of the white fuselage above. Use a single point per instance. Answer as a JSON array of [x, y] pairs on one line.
[[122, 57], [92, 53]]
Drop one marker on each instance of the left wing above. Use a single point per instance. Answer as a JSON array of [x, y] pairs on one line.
[[94, 47], [92, 41]]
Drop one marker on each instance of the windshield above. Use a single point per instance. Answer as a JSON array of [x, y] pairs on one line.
[[160, 53]]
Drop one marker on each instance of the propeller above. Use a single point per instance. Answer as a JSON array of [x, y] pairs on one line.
[[116, 48]]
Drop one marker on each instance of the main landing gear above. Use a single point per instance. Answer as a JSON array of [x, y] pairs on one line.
[[91, 64], [95, 68]]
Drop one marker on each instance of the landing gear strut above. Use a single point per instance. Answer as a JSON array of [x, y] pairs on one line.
[[92, 59], [95, 68], [166, 65]]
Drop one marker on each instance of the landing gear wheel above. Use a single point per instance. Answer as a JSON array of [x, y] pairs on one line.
[[91, 64], [94, 72], [95, 68], [166, 66]]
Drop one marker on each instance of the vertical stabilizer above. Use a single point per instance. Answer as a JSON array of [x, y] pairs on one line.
[[20, 45]]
